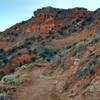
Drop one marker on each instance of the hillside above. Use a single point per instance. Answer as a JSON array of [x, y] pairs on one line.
[[55, 55]]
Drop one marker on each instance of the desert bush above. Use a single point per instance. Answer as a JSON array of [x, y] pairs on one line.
[[57, 62], [79, 73], [3, 57], [1, 75], [79, 46], [45, 52], [15, 78]]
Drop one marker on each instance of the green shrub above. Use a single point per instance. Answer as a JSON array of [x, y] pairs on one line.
[[1, 75], [79, 46], [45, 52]]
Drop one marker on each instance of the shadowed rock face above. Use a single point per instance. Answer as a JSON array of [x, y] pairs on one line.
[[46, 18]]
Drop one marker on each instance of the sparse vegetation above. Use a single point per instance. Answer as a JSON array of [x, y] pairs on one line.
[[55, 52]]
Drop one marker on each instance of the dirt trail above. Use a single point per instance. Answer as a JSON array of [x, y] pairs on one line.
[[40, 88]]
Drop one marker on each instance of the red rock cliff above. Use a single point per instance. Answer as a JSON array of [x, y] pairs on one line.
[[46, 18]]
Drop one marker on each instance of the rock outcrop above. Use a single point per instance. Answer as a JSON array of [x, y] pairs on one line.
[[43, 20]]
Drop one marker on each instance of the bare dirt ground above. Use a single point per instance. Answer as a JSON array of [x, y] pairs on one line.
[[40, 88]]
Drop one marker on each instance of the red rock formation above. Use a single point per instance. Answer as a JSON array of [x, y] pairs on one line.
[[46, 18]]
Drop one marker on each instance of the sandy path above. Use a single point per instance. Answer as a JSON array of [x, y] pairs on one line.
[[40, 88]]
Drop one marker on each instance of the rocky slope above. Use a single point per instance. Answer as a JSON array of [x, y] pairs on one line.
[[57, 59]]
